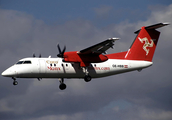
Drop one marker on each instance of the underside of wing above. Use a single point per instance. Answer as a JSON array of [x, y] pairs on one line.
[[100, 47]]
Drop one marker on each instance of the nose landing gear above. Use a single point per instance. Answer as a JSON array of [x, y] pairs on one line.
[[14, 82], [62, 85]]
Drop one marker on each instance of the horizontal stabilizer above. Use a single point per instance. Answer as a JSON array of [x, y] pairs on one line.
[[153, 26]]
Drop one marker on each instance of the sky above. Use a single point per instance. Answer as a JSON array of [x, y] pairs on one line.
[[29, 26]]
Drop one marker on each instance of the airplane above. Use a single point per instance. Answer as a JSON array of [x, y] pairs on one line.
[[92, 62]]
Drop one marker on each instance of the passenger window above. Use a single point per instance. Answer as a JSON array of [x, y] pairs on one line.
[[20, 62], [27, 62]]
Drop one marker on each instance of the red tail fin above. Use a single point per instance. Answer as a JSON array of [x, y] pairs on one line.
[[144, 45]]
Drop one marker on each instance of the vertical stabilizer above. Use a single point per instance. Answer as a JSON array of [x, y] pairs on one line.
[[145, 43]]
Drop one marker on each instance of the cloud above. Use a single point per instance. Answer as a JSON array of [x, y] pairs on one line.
[[144, 95], [103, 11]]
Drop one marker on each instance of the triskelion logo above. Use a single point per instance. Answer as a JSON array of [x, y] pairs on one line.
[[147, 44]]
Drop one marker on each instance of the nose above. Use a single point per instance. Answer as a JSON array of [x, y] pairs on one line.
[[8, 73], [3, 73]]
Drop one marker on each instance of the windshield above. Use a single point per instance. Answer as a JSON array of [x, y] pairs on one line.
[[24, 62], [20, 62]]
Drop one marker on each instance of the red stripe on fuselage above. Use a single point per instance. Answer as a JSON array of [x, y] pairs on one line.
[[120, 55]]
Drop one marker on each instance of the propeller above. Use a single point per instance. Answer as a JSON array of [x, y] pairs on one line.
[[61, 53], [35, 55]]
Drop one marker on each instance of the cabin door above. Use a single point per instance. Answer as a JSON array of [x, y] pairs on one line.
[[42, 66]]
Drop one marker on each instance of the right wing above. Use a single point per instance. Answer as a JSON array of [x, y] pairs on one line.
[[100, 47]]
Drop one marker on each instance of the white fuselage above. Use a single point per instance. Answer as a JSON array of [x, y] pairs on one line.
[[56, 68]]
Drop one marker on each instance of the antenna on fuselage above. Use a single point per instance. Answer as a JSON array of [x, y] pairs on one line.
[[39, 55], [34, 55]]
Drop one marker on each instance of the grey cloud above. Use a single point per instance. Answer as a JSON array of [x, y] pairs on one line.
[[103, 11], [144, 95]]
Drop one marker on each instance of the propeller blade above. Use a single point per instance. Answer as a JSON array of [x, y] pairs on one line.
[[59, 48], [64, 50], [61, 53]]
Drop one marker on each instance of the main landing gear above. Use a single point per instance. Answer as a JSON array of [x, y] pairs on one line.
[[62, 85], [87, 77], [14, 82]]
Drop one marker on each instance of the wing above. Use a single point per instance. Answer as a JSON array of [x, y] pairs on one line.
[[100, 47]]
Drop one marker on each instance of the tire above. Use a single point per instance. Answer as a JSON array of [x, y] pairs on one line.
[[15, 83], [87, 78], [62, 86]]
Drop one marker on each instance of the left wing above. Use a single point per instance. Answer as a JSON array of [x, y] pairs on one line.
[[100, 47]]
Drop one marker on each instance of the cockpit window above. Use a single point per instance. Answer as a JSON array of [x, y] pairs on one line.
[[20, 62], [27, 62], [24, 62]]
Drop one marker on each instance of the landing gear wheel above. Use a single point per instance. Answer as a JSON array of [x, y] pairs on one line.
[[87, 78], [62, 86], [15, 83]]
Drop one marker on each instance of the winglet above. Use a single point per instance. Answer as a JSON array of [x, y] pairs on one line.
[[113, 39], [156, 26]]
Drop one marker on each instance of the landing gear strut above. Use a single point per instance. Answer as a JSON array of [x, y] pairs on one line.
[[62, 86], [87, 77], [14, 82]]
